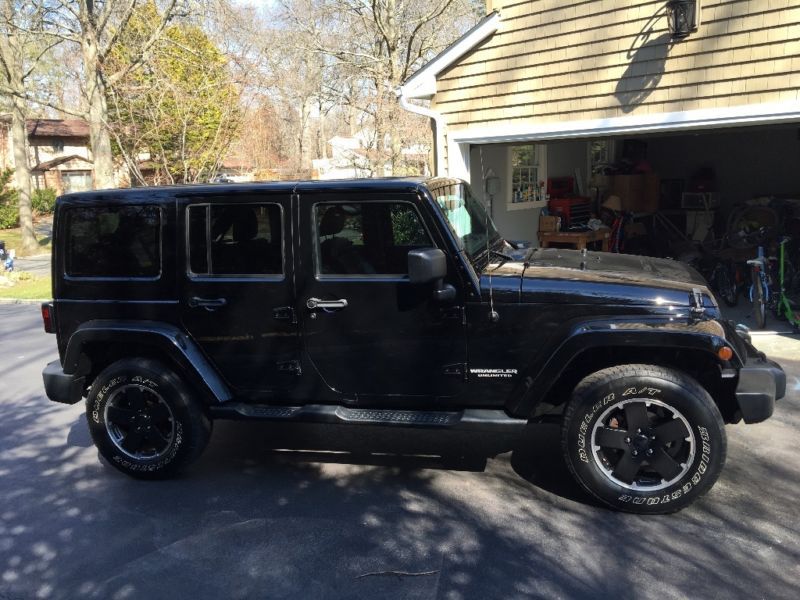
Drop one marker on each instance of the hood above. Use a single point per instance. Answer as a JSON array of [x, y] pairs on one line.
[[601, 277]]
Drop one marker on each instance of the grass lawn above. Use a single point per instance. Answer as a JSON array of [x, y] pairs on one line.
[[36, 288], [13, 239]]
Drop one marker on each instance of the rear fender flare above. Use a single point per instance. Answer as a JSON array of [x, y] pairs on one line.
[[163, 337]]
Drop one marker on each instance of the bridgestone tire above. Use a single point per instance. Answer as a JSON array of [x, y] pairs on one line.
[[144, 420], [674, 460]]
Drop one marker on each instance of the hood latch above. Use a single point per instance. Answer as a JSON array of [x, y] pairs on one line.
[[696, 307]]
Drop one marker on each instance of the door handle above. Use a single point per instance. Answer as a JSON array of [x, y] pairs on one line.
[[210, 304], [315, 303]]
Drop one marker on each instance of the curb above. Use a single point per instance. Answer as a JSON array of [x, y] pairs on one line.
[[23, 300]]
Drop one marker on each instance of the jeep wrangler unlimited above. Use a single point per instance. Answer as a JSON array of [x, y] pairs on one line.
[[391, 302]]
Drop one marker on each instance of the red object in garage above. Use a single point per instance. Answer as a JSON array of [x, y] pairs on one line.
[[574, 212]]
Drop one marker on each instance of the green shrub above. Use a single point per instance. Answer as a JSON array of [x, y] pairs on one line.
[[9, 216], [43, 201], [9, 211]]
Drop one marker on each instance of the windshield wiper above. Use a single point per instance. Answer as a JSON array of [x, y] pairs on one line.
[[501, 254]]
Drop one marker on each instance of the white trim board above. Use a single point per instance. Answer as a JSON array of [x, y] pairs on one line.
[[708, 118], [422, 84]]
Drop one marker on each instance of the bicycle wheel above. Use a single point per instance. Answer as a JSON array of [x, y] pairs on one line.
[[725, 282], [759, 300]]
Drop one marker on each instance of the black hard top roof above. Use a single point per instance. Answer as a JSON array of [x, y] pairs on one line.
[[156, 193]]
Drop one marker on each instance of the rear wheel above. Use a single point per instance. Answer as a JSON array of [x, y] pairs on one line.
[[643, 438], [144, 420]]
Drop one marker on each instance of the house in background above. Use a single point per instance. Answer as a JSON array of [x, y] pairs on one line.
[[58, 151], [349, 157], [703, 95]]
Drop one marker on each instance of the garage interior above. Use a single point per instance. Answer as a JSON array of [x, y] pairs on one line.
[[709, 198]]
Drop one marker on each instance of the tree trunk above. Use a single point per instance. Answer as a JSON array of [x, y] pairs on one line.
[[97, 109], [12, 84], [22, 176]]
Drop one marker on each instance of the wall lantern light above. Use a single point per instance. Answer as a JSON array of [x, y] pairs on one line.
[[683, 17]]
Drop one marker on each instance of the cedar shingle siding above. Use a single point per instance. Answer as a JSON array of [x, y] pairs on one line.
[[561, 60]]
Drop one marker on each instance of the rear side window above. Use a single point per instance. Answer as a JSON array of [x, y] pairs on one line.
[[113, 241], [235, 239]]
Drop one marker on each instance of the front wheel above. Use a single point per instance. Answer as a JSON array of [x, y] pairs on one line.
[[725, 282], [144, 420], [759, 301], [643, 438]]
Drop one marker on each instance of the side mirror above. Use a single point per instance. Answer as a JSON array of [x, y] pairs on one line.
[[426, 265], [429, 265]]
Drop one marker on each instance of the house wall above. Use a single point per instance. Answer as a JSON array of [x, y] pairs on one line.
[[564, 157], [512, 224], [42, 150], [6, 151], [518, 222], [566, 60]]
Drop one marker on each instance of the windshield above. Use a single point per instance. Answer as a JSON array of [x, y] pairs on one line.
[[465, 214]]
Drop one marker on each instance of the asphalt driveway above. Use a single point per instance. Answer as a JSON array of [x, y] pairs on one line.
[[309, 512]]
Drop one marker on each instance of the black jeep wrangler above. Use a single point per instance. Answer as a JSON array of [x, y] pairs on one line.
[[390, 302]]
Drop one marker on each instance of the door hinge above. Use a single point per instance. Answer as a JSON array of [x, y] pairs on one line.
[[456, 370], [290, 366], [284, 313]]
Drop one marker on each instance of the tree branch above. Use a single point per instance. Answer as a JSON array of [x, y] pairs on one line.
[[135, 64], [103, 22]]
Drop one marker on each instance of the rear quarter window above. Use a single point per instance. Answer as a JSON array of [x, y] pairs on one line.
[[113, 241]]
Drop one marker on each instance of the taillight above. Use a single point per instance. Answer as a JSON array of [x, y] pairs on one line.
[[47, 317]]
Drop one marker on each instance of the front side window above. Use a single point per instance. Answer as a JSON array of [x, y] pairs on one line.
[[235, 239], [371, 238], [113, 241]]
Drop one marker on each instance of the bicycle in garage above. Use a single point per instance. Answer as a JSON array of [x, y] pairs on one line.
[[760, 287], [765, 292], [787, 305]]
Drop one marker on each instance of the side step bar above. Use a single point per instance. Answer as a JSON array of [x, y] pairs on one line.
[[473, 419]]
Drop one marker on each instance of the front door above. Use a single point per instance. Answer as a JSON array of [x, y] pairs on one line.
[[237, 297], [372, 335]]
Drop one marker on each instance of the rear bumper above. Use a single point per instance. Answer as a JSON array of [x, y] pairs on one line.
[[61, 387], [761, 383]]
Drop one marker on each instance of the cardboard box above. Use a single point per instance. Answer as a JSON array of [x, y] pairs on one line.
[[549, 223], [638, 192], [651, 193]]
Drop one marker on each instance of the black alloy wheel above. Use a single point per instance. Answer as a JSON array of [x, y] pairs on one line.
[[139, 422], [643, 444]]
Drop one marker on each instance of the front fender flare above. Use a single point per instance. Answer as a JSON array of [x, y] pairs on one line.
[[166, 338], [536, 382]]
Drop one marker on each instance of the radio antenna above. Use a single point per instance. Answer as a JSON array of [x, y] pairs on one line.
[[494, 316]]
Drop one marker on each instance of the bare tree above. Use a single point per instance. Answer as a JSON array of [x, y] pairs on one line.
[[377, 44], [21, 49], [95, 27]]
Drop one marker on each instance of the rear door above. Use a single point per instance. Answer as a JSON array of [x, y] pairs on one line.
[[237, 299], [373, 337]]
